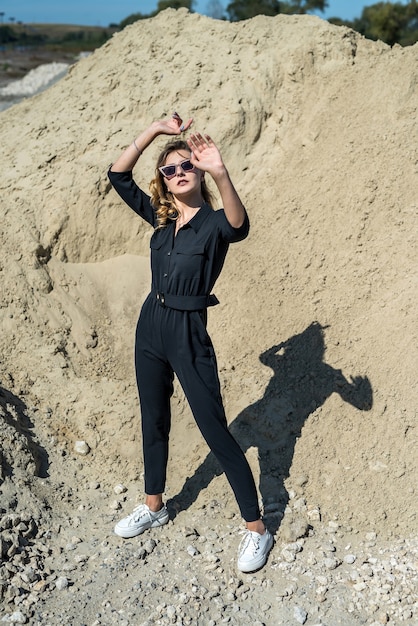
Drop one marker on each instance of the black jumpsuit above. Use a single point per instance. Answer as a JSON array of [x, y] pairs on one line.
[[171, 337]]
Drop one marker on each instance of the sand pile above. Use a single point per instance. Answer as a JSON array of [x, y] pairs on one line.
[[316, 333]]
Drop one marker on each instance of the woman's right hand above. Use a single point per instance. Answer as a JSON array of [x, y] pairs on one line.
[[173, 125]]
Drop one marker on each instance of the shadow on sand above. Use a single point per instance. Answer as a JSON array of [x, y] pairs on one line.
[[15, 413], [301, 383]]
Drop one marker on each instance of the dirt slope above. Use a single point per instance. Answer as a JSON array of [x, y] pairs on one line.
[[316, 333]]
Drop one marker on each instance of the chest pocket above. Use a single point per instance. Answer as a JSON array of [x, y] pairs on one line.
[[155, 244], [190, 262], [157, 239]]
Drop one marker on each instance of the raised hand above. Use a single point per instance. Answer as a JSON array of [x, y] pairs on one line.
[[207, 158], [173, 125], [205, 154]]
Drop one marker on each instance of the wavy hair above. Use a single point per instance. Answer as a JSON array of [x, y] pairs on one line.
[[162, 199]]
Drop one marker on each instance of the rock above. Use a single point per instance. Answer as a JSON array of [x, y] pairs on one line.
[[81, 447], [300, 615], [119, 489], [15, 618], [150, 546], [288, 555], [61, 583], [331, 562], [192, 550], [314, 514], [371, 536], [349, 558], [293, 527]]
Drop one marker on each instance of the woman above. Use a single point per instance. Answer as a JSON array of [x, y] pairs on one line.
[[188, 249]]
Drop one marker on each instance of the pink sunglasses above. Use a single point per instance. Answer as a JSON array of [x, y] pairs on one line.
[[169, 171]]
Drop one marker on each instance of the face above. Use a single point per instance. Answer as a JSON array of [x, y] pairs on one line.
[[184, 180]]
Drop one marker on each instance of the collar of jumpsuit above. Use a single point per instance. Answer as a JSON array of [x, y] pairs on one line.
[[197, 220]]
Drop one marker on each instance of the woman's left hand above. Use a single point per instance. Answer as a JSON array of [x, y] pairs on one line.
[[207, 158], [205, 154]]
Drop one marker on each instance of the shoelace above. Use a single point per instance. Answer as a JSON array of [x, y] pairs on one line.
[[138, 512], [248, 539]]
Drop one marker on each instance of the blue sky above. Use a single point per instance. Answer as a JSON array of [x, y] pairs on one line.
[[102, 13]]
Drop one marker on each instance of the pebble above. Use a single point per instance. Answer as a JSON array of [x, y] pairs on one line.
[[61, 583], [127, 580], [331, 563], [300, 615], [192, 551], [15, 618], [349, 558], [314, 514], [150, 545], [81, 447]]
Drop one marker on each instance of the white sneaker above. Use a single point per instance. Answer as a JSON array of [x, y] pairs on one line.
[[139, 520], [253, 550]]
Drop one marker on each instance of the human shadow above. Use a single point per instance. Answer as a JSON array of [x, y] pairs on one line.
[[301, 383], [14, 412]]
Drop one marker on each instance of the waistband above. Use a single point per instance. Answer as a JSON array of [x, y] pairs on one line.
[[184, 303]]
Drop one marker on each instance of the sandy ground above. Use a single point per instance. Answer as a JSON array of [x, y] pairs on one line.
[[316, 332]]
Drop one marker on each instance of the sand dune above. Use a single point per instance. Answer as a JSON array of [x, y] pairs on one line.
[[316, 333]]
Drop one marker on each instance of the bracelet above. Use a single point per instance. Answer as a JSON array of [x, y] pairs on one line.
[[136, 147]]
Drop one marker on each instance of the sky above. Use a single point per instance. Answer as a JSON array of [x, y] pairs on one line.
[[102, 13]]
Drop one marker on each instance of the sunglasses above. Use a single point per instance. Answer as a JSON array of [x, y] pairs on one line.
[[169, 171]]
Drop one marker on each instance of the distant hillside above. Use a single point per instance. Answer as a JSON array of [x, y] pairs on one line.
[[26, 46]]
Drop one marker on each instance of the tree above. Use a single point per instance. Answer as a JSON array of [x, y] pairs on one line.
[[174, 4], [245, 9], [302, 7], [162, 5], [389, 22], [7, 35], [133, 18]]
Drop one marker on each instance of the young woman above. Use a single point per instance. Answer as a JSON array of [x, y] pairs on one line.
[[188, 249]]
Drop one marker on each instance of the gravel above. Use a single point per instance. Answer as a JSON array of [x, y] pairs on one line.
[[78, 572]]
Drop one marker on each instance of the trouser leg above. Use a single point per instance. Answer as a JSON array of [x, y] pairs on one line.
[[198, 376], [155, 386]]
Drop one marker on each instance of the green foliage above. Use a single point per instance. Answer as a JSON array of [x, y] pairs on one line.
[[162, 5], [133, 18], [174, 4], [86, 36], [7, 35], [391, 22], [302, 7], [56, 37], [245, 9]]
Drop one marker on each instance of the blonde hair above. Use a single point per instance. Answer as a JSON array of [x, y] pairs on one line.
[[163, 200]]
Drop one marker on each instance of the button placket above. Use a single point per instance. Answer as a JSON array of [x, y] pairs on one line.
[[167, 268]]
